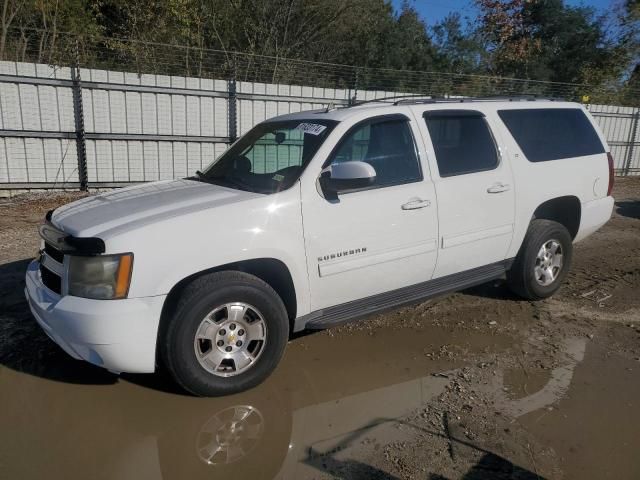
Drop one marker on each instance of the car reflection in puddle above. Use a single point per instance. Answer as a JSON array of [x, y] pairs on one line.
[[308, 415], [230, 435]]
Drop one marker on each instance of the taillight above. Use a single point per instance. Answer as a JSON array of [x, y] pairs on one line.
[[610, 188]]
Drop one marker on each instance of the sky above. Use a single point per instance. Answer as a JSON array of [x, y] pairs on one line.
[[432, 11]]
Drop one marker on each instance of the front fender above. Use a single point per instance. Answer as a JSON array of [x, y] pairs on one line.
[[169, 251]]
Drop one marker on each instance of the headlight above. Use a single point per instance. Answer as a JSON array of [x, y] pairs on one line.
[[103, 277]]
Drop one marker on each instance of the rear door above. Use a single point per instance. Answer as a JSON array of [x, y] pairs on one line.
[[474, 188]]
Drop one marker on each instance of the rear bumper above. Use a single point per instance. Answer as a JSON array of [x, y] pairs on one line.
[[119, 335], [593, 216]]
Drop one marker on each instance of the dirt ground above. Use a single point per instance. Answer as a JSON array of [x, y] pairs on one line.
[[475, 385]]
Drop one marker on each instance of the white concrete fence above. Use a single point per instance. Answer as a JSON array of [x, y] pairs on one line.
[[137, 128]]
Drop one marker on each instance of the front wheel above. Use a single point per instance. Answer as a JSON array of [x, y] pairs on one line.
[[542, 262], [227, 334]]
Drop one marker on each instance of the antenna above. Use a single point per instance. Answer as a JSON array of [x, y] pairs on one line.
[[329, 107]]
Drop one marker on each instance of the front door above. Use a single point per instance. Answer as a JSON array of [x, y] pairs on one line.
[[376, 239], [474, 186]]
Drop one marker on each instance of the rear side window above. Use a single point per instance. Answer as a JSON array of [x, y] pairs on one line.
[[462, 142], [552, 133]]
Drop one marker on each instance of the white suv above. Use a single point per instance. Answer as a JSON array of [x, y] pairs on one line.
[[315, 218]]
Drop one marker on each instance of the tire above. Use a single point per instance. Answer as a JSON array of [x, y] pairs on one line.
[[227, 333], [528, 281]]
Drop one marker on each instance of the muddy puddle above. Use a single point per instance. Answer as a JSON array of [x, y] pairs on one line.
[[594, 428], [331, 394], [341, 405]]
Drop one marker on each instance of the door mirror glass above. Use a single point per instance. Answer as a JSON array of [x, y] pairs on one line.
[[347, 176]]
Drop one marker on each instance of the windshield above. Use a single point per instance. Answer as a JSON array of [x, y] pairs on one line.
[[270, 157]]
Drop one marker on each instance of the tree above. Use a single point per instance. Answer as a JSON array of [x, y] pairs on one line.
[[460, 49], [529, 39], [53, 20], [573, 44], [508, 35], [549, 40], [409, 46], [38, 30], [10, 9], [630, 26]]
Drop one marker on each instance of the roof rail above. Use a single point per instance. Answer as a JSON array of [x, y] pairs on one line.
[[417, 99], [357, 103], [488, 98]]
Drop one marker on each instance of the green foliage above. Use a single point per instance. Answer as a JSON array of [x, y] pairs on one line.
[[532, 40], [545, 40], [550, 40], [460, 48]]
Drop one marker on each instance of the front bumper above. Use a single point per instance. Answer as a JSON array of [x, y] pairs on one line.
[[119, 335]]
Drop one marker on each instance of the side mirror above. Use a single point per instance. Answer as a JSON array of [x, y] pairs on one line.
[[346, 176]]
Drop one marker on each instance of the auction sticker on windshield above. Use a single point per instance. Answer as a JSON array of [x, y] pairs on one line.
[[312, 128]]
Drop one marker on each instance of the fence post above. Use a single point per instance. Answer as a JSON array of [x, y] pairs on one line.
[[78, 117], [632, 142], [354, 98], [233, 110]]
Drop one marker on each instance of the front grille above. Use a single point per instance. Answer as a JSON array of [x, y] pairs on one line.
[[50, 280], [53, 252]]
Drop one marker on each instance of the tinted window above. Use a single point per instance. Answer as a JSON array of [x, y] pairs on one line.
[[462, 142], [387, 146], [552, 133]]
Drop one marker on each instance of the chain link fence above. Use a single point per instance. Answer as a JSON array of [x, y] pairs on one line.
[[106, 112]]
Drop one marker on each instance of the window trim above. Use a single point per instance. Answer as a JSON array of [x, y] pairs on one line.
[[452, 113], [386, 118]]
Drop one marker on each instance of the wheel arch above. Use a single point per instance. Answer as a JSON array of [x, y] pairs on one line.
[[272, 271], [565, 210]]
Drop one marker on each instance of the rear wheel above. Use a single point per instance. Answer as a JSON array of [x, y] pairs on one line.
[[542, 262], [227, 334]]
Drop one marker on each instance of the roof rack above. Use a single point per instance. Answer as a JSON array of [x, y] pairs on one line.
[[418, 99], [395, 98]]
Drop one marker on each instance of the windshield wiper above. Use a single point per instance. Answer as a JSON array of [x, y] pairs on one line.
[[232, 182], [224, 181], [238, 183], [199, 177]]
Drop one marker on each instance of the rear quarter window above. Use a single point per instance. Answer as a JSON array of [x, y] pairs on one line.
[[545, 134]]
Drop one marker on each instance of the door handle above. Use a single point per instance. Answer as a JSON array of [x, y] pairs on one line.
[[415, 204], [498, 188]]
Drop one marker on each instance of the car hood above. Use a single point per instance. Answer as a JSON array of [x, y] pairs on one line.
[[125, 209]]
